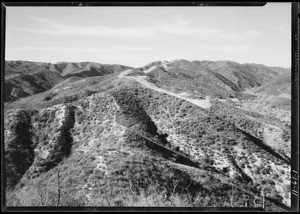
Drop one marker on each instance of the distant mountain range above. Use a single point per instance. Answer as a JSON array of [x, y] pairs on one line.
[[223, 78]]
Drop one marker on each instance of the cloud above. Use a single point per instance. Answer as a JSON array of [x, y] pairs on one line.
[[113, 49], [129, 55], [227, 49], [180, 27], [254, 33], [101, 31], [283, 28], [54, 28], [183, 27]]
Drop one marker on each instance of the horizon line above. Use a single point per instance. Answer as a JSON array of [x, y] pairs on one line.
[[223, 60]]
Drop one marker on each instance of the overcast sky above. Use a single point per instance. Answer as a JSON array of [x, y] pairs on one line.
[[136, 36]]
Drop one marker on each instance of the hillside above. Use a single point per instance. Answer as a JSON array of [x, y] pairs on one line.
[[169, 134]]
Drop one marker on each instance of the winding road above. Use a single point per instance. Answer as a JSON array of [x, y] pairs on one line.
[[143, 80]]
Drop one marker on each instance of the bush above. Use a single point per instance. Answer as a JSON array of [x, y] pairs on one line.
[[271, 182]]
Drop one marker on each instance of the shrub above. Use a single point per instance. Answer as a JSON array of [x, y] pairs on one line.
[[271, 182], [264, 181]]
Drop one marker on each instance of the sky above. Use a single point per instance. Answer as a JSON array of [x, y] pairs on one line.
[[136, 36]]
